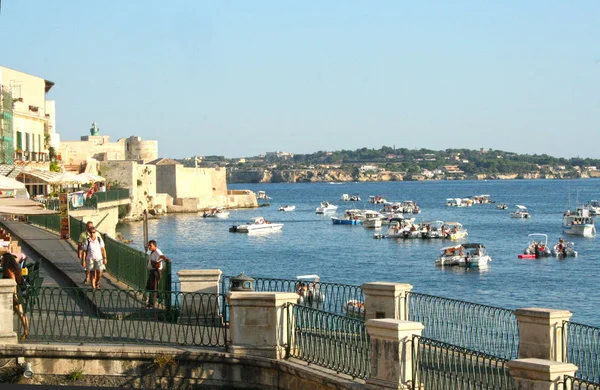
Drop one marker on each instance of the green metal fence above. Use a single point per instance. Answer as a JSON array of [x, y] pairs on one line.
[[50, 222], [582, 348], [111, 195], [328, 340], [438, 365], [482, 328], [58, 314], [579, 384], [330, 297]]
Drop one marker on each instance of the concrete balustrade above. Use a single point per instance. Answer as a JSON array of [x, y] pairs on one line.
[[541, 333], [539, 374], [258, 323], [197, 309], [391, 353], [386, 300], [7, 332]]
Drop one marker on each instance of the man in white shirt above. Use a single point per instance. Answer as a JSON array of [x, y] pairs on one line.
[[155, 266], [94, 257]]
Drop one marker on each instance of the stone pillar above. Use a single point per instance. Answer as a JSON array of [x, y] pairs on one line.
[[197, 308], [7, 332], [258, 323], [541, 333], [391, 353], [386, 300], [539, 374]]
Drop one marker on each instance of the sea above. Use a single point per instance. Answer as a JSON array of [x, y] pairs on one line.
[[310, 244]]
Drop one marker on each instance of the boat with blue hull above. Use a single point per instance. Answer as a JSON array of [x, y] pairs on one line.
[[345, 221]]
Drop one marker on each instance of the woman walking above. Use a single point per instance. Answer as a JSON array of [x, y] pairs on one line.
[[11, 270]]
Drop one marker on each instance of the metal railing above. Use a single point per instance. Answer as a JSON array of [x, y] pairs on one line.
[[50, 222], [582, 348], [111, 195], [481, 328], [120, 316], [330, 297], [579, 384], [328, 340], [438, 365]]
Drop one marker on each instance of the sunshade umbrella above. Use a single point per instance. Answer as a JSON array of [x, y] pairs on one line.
[[7, 183], [68, 178], [90, 178]]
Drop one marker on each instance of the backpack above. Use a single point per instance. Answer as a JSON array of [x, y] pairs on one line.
[[89, 240]]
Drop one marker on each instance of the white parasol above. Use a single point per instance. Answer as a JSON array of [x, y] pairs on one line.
[[90, 178], [6, 183]]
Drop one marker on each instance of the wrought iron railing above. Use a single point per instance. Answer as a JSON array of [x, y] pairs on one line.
[[330, 297], [111, 195], [84, 315], [328, 340], [482, 328], [438, 365], [582, 348], [579, 384], [50, 222]]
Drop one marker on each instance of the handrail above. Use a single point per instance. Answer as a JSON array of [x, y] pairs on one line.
[[582, 348]]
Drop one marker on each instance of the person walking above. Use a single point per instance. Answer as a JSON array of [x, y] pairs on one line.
[[11, 270], [155, 267], [94, 257], [83, 237]]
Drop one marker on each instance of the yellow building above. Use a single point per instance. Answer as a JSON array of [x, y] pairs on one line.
[[27, 119]]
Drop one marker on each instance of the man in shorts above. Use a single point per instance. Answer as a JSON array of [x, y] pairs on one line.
[[82, 239], [94, 257]]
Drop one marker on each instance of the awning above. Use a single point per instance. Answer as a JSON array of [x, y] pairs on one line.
[[18, 206]]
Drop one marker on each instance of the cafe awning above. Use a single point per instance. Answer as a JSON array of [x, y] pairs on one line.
[[18, 206]]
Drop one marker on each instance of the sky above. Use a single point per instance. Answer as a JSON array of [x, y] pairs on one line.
[[241, 78]]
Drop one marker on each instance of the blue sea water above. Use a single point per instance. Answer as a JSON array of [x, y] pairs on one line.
[[311, 244]]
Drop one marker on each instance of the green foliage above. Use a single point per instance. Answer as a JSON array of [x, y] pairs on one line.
[[163, 360], [54, 166], [124, 210], [139, 182], [75, 375]]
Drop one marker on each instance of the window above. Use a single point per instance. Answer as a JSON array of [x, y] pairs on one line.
[[19, 140]]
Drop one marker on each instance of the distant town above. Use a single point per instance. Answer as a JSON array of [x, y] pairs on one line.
[[396, 164]]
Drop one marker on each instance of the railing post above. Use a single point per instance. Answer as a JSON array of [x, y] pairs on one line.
[[386, 300], [205, 281], [541, 333], [539, 374], [258, 323], [392, 353], [7, 331]]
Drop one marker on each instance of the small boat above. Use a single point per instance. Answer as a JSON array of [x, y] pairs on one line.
[[326, 207], [470, 255], [454, 231], [350, 198], [217, 212], [345, 221], [262, 195], [258, 224], [458, 202], [287, 208], [403, 228], [581, 223], [520, 212], [431, 229], [481, 199], [502, 206], [309, 291], [594, 207], [377, 199], [354, 308], [564, 249], [538, 246], [372, 219]]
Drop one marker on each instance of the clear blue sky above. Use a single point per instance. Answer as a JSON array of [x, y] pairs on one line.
[[240, 78]]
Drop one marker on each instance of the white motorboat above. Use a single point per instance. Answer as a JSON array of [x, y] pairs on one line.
[[470, 255], [520, 212], [354, 308], [377, 199], [502, 206], [262, 195], [431, 229], [581, 223], [217, 212], [309, 291], [594, 207], [538, 246], [454, 231], [287, 208], [481, 199], [564, 249], [326, 207], [402, 228], [372, 219], [258, 224], [350, 198]]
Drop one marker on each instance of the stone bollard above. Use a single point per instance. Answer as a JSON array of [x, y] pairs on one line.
[[541, 333], [195, 308], [391, 353], [258, 323], [539, 374], [386, 300], [7, 331]]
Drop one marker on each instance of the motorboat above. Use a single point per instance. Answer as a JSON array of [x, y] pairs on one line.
[[538, 246], [403, 228], [350, 217], [580, 223], [372, 219], [564, 249], [481, 199], [520, 212], [309, 291], [454, 231], [594, 207], [258, 224], [502, 206], [326, 207], [350, 198], [217, 212], [409, 207], [354, 308], [458, 202], [469, 255], [262, 195], [431, 229], [377, 199], [287, 208]]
